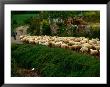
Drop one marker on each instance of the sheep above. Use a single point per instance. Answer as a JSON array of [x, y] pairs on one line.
[[70, 47], [21, 37], [27, 40], [93, 52], [64, 45], [98, 42], [71, 43], [86, 39], [97, 47], [87, 45], [83, 41], [31, 41], [82, 38], [73, 47], [77, 39], [92, 42], [77, 43], [36, 41], [24, 39], [72, 39], [81, 44], [51, 43], [42, 43], [65, 41], [95, 39], [84, 49], [46, 43], [58, 44], [76, 47]]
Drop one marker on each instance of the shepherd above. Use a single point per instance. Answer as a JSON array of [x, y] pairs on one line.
[[14, 35]]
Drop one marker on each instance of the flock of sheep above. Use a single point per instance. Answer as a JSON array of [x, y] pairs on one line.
[[80, 44]]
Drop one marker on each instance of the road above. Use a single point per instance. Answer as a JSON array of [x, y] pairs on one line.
[[17, 41]]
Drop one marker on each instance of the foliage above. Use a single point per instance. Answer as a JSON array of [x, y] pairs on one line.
[[38, 22], [46, 29], [34, 28], [92, 16], [56, 62]]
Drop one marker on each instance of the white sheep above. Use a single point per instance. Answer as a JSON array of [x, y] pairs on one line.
[[45, 43], [64, 45], [71, 42], [86, 39], [31, 41], [70, 47], [21, 37], [24, 39], [76, 47], [92, 42], [98, 42], [74, 43], [36, 41], [77, 39], [97, 47], [83, 41], [93, 52], [58, 44], [77, 43], [89, 46], [84, 49]]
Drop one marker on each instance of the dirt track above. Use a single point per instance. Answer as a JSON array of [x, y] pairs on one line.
[[17, 41], [21, 30]]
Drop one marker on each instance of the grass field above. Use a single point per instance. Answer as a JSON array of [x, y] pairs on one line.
[[53, 62], [20, 18]]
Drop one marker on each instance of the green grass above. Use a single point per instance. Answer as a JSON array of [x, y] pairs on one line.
[[54, 62], [20, 18]]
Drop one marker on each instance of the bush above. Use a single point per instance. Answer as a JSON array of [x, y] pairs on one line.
[[56, 62], [95, 32], [46, 29]]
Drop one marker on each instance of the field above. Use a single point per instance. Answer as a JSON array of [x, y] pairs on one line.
[[20, 18], [31, 58], [53, 62]]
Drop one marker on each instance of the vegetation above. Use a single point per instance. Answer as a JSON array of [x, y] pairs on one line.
[[38, 22], [53, 62]]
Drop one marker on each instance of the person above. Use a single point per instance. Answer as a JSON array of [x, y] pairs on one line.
[[14, 35]]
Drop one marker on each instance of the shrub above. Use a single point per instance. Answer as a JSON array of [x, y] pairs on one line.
[[56, 62], [46, 29]]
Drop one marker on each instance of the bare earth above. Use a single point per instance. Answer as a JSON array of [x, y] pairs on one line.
[[17, 41]]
